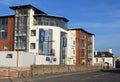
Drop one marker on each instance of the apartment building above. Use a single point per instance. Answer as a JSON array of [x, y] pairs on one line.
[[40, 33], [80, 47], [6, 33], [46, 36]]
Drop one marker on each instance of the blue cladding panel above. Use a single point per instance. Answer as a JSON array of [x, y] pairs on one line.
[[41, 35], [64, 42]]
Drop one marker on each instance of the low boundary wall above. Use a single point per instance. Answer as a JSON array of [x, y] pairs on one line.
[[10, 72], [56, 69]]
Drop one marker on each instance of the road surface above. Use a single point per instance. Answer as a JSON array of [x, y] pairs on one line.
[[84, 77]]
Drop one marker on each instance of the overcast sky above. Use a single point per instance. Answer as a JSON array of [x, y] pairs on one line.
[[100, 17]]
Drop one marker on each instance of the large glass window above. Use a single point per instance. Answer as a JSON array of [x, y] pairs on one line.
[[45, 42], [50, 21], [3, 21], [3, 28], [21, 24], [22, 12], [20, 42], [63, 50]]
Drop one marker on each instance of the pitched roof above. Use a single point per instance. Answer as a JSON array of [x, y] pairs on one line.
[[103, 54]]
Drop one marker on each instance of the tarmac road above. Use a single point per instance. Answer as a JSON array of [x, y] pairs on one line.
[[106, 76]]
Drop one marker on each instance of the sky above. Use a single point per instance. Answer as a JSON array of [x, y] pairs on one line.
[[100, 17]]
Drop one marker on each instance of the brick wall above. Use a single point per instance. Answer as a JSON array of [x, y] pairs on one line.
[[9, 41], [7, 72], [79, 40]]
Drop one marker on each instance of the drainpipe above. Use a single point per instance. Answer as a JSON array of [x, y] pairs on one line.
[[17, 60]]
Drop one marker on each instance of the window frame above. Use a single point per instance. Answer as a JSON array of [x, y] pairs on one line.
[[33, 32], [6, 47], [83, 44], [32, 45], [10, 56]]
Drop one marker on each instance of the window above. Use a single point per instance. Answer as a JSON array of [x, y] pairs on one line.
[[3, 21], [83, 36], [41, 20], [73, 51], [33, 32], [64, 42], [22, 12], [103, 55], [45, 42], [96, 59], [82, 44], [47, 58], [32, 46], [103, 59], [3, 34], [20, 42], [54, 59], [9, 56], [3, 28], [6, 47], [82, 54], [21, 24], [73, 42]]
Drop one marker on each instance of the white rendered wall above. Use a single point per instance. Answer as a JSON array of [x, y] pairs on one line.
[[7, 62], [106, 59], [71, 58], [31, 20], [110, 61], [24, 59], [56, 41], [41, 60]]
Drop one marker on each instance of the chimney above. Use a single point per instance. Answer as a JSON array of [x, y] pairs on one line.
[[95, 52], [110, 50]]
